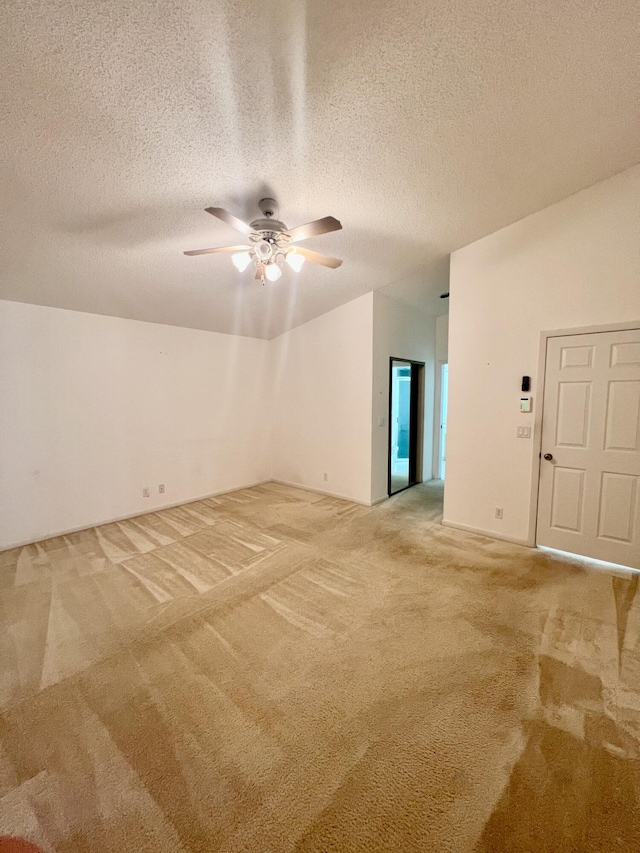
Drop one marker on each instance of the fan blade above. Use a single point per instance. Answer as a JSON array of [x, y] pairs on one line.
[[317, 258], [259, 272], [313, 229], [231, 220], [220, 249]]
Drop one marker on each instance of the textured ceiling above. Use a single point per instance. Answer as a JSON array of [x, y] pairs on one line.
[[421, 126]]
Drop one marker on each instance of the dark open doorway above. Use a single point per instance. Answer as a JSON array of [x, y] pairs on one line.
[[406, 406]]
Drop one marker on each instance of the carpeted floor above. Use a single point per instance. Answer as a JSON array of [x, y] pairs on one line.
[[273, 670]]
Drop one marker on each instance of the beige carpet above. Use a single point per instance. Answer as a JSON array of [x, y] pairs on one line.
[[277, 671]]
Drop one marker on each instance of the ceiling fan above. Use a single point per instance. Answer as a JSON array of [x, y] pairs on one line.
[[272, 243]]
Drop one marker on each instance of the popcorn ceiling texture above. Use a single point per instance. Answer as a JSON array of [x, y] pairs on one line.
[[422, 126]]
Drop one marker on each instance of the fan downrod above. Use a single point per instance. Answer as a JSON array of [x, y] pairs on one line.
[[268, 207]]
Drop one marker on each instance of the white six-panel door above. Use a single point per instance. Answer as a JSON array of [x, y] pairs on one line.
[[589, 500]]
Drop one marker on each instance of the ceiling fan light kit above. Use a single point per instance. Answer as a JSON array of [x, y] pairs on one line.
[[273, 272], [270, 242], [241, 260], [295, 260]]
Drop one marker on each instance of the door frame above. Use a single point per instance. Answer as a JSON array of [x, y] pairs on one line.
[[539, 409], [437, 419], [417, 424]]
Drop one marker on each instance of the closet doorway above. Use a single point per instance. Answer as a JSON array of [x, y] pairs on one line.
[[406, 407]]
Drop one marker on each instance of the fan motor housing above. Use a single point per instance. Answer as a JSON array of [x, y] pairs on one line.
[[269, 227]]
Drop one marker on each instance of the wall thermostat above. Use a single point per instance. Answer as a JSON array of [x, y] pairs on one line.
[[525, 404]]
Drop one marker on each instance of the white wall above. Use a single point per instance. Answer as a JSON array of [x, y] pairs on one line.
[[442, 338], [94, 408], [399, 331], [576, 263], [442, 357], [322, 402]]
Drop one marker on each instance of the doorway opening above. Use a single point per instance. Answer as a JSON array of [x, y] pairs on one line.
[[590, 460], [406, 405], [444, 399]]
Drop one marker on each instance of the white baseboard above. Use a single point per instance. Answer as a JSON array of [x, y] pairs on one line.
[[127, 516], [133, 515], [323, 492], [377, 501], [491, 533]]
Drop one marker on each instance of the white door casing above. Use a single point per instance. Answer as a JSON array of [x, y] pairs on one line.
[[589, 492]]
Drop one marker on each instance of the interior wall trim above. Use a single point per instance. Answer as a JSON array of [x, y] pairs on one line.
[[133, 515], [324, 492], [491, 533], [377, 501]]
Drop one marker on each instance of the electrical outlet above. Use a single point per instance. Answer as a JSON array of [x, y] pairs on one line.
[[146, 493], [499, 512], [161, 489], [326, 476], [381, 421]]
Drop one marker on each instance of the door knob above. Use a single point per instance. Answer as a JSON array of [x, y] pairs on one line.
[[548, 457]]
